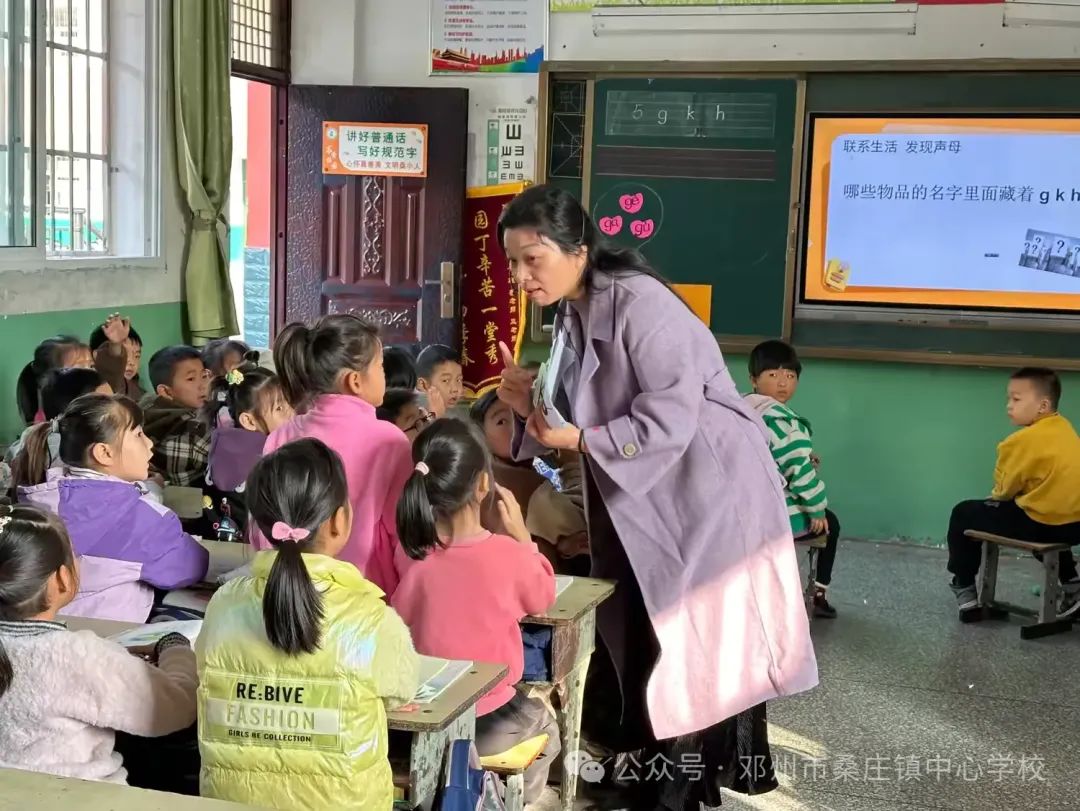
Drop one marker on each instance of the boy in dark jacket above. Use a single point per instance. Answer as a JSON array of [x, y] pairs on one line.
[[181, 438], [117, 350]]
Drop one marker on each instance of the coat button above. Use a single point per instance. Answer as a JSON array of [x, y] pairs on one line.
[[629, 450]]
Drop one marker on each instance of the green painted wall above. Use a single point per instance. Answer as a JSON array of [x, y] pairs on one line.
[[901, 444], [158, 325]]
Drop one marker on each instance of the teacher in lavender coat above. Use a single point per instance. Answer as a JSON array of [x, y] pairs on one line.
[[685, 511]]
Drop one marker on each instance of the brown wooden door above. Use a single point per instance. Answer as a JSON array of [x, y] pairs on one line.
[[373, 245]]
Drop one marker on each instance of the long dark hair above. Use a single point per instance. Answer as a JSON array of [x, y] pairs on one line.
[[556, 215], [48, 355], [87, 421], [258, 389], [33, 546], [309, 359], [301, 484], [450, 456]]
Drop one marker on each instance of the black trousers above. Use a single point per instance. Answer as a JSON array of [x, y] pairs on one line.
[[827, 556], [1001, 518], [169, 763]]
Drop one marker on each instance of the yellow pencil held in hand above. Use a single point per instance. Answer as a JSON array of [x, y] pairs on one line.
[[837, 274]]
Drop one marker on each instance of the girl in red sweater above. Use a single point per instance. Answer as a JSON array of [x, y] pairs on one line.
[[463, 590]]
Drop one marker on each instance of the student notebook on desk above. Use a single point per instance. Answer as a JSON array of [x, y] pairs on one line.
[[562, 583], [149, 634], [436, 675]]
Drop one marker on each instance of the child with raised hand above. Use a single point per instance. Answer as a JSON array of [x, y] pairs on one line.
[[59, 352], [117, 350], [252, 399], [334, 370], [128, 545], [64, 694], [464, 590], [312, 642]]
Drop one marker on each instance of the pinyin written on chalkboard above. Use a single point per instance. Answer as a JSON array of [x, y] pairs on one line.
[[675, 114]]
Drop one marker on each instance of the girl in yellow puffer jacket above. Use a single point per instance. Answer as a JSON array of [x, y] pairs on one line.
[[299, 662]]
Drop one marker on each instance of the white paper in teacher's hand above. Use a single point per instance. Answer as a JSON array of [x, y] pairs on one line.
[[546, 385]]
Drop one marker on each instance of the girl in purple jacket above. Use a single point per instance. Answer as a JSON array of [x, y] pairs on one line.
[[127, 544]]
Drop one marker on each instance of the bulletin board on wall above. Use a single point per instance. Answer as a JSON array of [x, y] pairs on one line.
[[702, 168]]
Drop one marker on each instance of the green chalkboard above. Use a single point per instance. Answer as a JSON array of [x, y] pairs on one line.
[[696, 172]]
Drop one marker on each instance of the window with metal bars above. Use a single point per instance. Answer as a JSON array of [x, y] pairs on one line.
[[77, 207], [260, 40]]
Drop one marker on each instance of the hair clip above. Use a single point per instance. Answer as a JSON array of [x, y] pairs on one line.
[[234, 377], [283, 532], [422, 468], [4, 521]]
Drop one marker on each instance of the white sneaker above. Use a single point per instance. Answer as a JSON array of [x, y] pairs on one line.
[[1069, 604]]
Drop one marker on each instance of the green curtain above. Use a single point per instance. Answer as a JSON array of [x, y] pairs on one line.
[[201, 65]]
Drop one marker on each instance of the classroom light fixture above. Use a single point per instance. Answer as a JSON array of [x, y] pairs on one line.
[[1042, 13], [862, 18]]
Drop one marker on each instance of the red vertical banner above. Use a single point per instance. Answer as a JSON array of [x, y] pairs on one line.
[[492, 306]]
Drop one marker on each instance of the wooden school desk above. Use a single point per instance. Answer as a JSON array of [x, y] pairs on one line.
[[21, 790], [573, 639], [431, 726]]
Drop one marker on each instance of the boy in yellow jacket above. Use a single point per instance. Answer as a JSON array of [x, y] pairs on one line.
[[1036, 493]]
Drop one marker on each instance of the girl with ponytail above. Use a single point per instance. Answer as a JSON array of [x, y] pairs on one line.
[[332, 374], [64, 695], [464, 590], [312, 641], [127, 543]]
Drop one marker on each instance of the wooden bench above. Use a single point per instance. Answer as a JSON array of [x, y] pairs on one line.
[[813, 544], [511, 765], [1047, 621]]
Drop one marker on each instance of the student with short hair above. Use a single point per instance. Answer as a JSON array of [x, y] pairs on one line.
[[304, 636], [439, 374], [775, 371], [173, 421], [117, 350], [1036, 495]]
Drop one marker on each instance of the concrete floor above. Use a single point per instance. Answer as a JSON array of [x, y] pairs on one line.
[[915, 710]]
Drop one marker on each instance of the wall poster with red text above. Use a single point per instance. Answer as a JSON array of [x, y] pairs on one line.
[[492, 305]]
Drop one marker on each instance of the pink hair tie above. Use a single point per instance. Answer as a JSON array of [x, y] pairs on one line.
[[283, 532], [422, 468]]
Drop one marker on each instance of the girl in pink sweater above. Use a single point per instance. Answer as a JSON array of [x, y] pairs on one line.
[[64, 695], [464, 590], [332, 374]]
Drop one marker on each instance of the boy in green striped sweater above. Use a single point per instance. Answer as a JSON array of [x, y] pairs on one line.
[[774, 374]]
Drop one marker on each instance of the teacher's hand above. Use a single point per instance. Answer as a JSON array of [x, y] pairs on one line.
[[560, 439], [515, 387]]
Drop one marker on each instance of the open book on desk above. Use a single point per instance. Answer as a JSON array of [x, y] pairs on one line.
[[150, 633], [436, 675]]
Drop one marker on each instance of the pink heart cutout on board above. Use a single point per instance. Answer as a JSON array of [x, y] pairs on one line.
[[611, 225], [632, 203], [642, 229]]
